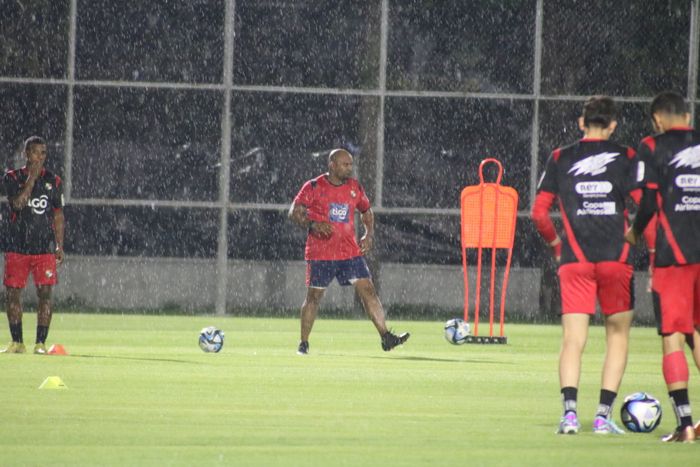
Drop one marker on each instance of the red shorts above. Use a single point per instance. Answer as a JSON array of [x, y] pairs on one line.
[[18, 267], [676, 291], [610, 281]]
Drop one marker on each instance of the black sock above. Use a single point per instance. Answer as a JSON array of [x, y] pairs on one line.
[[681, 407], [16, 332], [568, 396], [41, 333], [607, 399]]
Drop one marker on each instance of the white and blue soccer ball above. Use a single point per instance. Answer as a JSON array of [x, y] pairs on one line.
[[211, 339], [640, 412], [456, 331]]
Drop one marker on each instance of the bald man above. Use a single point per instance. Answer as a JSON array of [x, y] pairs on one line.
[[325, 207]]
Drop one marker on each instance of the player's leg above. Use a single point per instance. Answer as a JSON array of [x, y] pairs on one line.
[[577, 282], [355, 271], [673, 298], [319, 275], [43, 320], [617, 331], [374, 309], [616, 297], [309, 311], [675, 369], [695, 340], [370, 302], [45, 277], [13, 306], [15, 278], [696, 335], [573, 342]]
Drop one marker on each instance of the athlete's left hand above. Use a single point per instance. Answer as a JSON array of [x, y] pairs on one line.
[[366, 243], [631, 236], [59, 256]]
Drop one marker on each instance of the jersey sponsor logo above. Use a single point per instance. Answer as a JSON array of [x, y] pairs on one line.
[[594, 165], [689, 157], [39, 204], [593, 188], [688, 203], [690, 181], [339, 213], [602, 208]]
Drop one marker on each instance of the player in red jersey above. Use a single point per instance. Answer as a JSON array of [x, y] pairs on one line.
[[34, 241], [592, 179], [325, 206], [670, 178]]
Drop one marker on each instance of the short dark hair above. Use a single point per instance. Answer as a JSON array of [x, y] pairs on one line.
[[31, 141], [599, 111], [668, 102]]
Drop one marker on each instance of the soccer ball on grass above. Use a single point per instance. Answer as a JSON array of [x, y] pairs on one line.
[[640, 412], [211, 339], [456, 331]]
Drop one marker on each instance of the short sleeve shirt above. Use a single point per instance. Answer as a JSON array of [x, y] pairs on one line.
[[592, 178], [670, 163], [336, 205], [30, 229]]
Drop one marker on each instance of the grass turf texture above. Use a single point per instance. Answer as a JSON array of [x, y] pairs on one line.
[[141, 392]]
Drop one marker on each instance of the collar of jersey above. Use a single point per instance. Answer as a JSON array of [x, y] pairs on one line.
[[592, 140], [680, 128], [25, 170], [331, 183]]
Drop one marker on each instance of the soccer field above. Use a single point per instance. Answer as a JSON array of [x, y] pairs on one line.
[[141, 392]]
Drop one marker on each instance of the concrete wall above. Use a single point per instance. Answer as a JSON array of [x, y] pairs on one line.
[[152, 283]]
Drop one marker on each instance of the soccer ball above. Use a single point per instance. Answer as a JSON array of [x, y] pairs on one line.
[[211, 339], [641, 412], [456, 331]]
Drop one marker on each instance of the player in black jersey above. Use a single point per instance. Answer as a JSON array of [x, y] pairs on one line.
[[591, 178], [34, 241], [670, 177]]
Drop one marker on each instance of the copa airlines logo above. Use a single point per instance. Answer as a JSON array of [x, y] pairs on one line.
[[594, 165], [689, 157], [39, 204]]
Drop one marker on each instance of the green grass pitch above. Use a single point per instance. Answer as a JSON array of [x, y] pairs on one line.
[[141, 392]]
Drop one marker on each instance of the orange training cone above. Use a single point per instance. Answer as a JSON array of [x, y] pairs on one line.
[[57, 349]]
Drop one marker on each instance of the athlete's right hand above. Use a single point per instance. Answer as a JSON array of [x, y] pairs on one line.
[[323, 229], [34, 168], [631, 236], [555, 247]]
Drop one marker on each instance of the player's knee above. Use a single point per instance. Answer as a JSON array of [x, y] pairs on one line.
[[12, 295], [313, 297], [44, 292]]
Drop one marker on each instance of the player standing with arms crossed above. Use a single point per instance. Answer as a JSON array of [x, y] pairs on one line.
[[34, 241], [591, 178], [325, 206], [670, 177]]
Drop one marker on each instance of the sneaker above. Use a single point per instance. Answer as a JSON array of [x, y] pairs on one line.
[[681, 435], [569, 424], [40, 348], [603, 426], [391, 340], [14, 347], [303, 348]]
